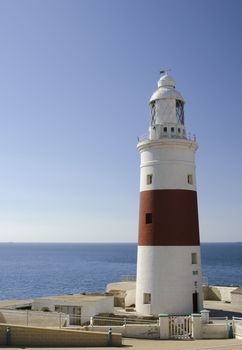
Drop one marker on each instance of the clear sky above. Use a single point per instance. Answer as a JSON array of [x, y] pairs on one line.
[[75, 80]]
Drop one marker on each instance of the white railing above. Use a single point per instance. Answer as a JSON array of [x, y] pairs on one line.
[[189, 137], [180, 327], [119, 321], [219, 320], [128, 278], [205, 280]]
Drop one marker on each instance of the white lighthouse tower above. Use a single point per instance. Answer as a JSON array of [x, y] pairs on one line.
[[169, 265]]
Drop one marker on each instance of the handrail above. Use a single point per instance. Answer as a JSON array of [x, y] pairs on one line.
[[188, 137]]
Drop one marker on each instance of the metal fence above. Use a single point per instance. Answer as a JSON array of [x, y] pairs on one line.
[[128, 278], [218, 319], [180, 327], [120, 321]]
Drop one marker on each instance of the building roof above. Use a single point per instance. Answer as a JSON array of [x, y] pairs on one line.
[[76, 297], [166, 89], [237, 290]]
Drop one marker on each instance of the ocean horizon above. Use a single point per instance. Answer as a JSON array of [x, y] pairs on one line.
[[32, 269]]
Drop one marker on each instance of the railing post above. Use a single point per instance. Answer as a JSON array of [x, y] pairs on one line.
[[91, 321], [27, 317], [230, 325], [110, 340], [164, 326], [196, 326], [204, 316], [8, 336]]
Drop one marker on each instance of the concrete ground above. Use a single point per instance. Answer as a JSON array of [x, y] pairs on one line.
[[12, 304], [221, 309], [142, 344]]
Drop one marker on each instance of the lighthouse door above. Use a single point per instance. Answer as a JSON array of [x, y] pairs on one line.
[[195, 302]]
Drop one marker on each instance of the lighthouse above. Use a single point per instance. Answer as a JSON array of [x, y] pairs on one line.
[[169, 276]]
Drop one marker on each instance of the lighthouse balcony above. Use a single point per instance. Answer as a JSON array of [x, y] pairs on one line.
[[159, 132]]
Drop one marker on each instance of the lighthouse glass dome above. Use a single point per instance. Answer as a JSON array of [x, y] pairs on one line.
[[180, 112], [167, 111]]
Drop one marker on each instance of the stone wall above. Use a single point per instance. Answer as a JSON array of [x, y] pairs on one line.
[[214, 331], [132, 331], [222, 293], [12, 335], [34, 318]]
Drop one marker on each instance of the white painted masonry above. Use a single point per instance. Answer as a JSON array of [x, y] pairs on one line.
[[168, 265], [170, 162]]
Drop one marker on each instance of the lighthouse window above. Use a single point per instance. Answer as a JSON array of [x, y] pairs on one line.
[[147, 298], [165, 129], [148, 218], [180, 112], [152, 107], [149, 179], [195, 272], [194, 258], [172, 129], [189, 179]]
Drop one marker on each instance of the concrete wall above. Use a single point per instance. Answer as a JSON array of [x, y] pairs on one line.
[[169, 163], [237, 329], [222, 293], [33, 336], [34, 318], [199, 330], [171, 283], [132, 331], [124, 292], [214, 331], [236, 299], [88, 308], [130, 297]]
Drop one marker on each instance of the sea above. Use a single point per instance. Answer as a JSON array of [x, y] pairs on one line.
[[40, 269]]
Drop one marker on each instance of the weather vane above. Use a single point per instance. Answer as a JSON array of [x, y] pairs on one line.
[[164, 71]]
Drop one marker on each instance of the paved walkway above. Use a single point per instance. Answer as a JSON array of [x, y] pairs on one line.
[[227, 344], [142, 344], [220, 309]]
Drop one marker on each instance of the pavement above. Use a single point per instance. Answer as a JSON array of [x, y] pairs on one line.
[[145, 344], [222, 309]]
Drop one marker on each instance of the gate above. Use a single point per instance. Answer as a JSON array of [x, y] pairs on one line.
[[180, 327]]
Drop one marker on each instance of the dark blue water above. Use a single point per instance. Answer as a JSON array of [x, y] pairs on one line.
[[29, 270]]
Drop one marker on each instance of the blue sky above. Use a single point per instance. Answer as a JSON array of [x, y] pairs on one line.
[[75, 80]]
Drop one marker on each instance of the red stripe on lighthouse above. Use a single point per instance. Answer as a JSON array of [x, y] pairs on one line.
[[168, 218]]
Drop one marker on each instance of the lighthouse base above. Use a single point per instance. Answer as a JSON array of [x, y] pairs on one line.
[[169, 280]]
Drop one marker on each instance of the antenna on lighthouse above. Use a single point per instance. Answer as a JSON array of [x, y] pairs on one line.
[[165, 71]]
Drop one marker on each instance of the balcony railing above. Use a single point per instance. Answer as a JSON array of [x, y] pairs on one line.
[[189, 137]]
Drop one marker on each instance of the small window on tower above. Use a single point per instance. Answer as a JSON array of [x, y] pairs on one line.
[[189, 179], [179, 130], [149, 179], [148, 218], [172, 129], [165, 129], [147, 298], [195, 272], [194, 258]]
